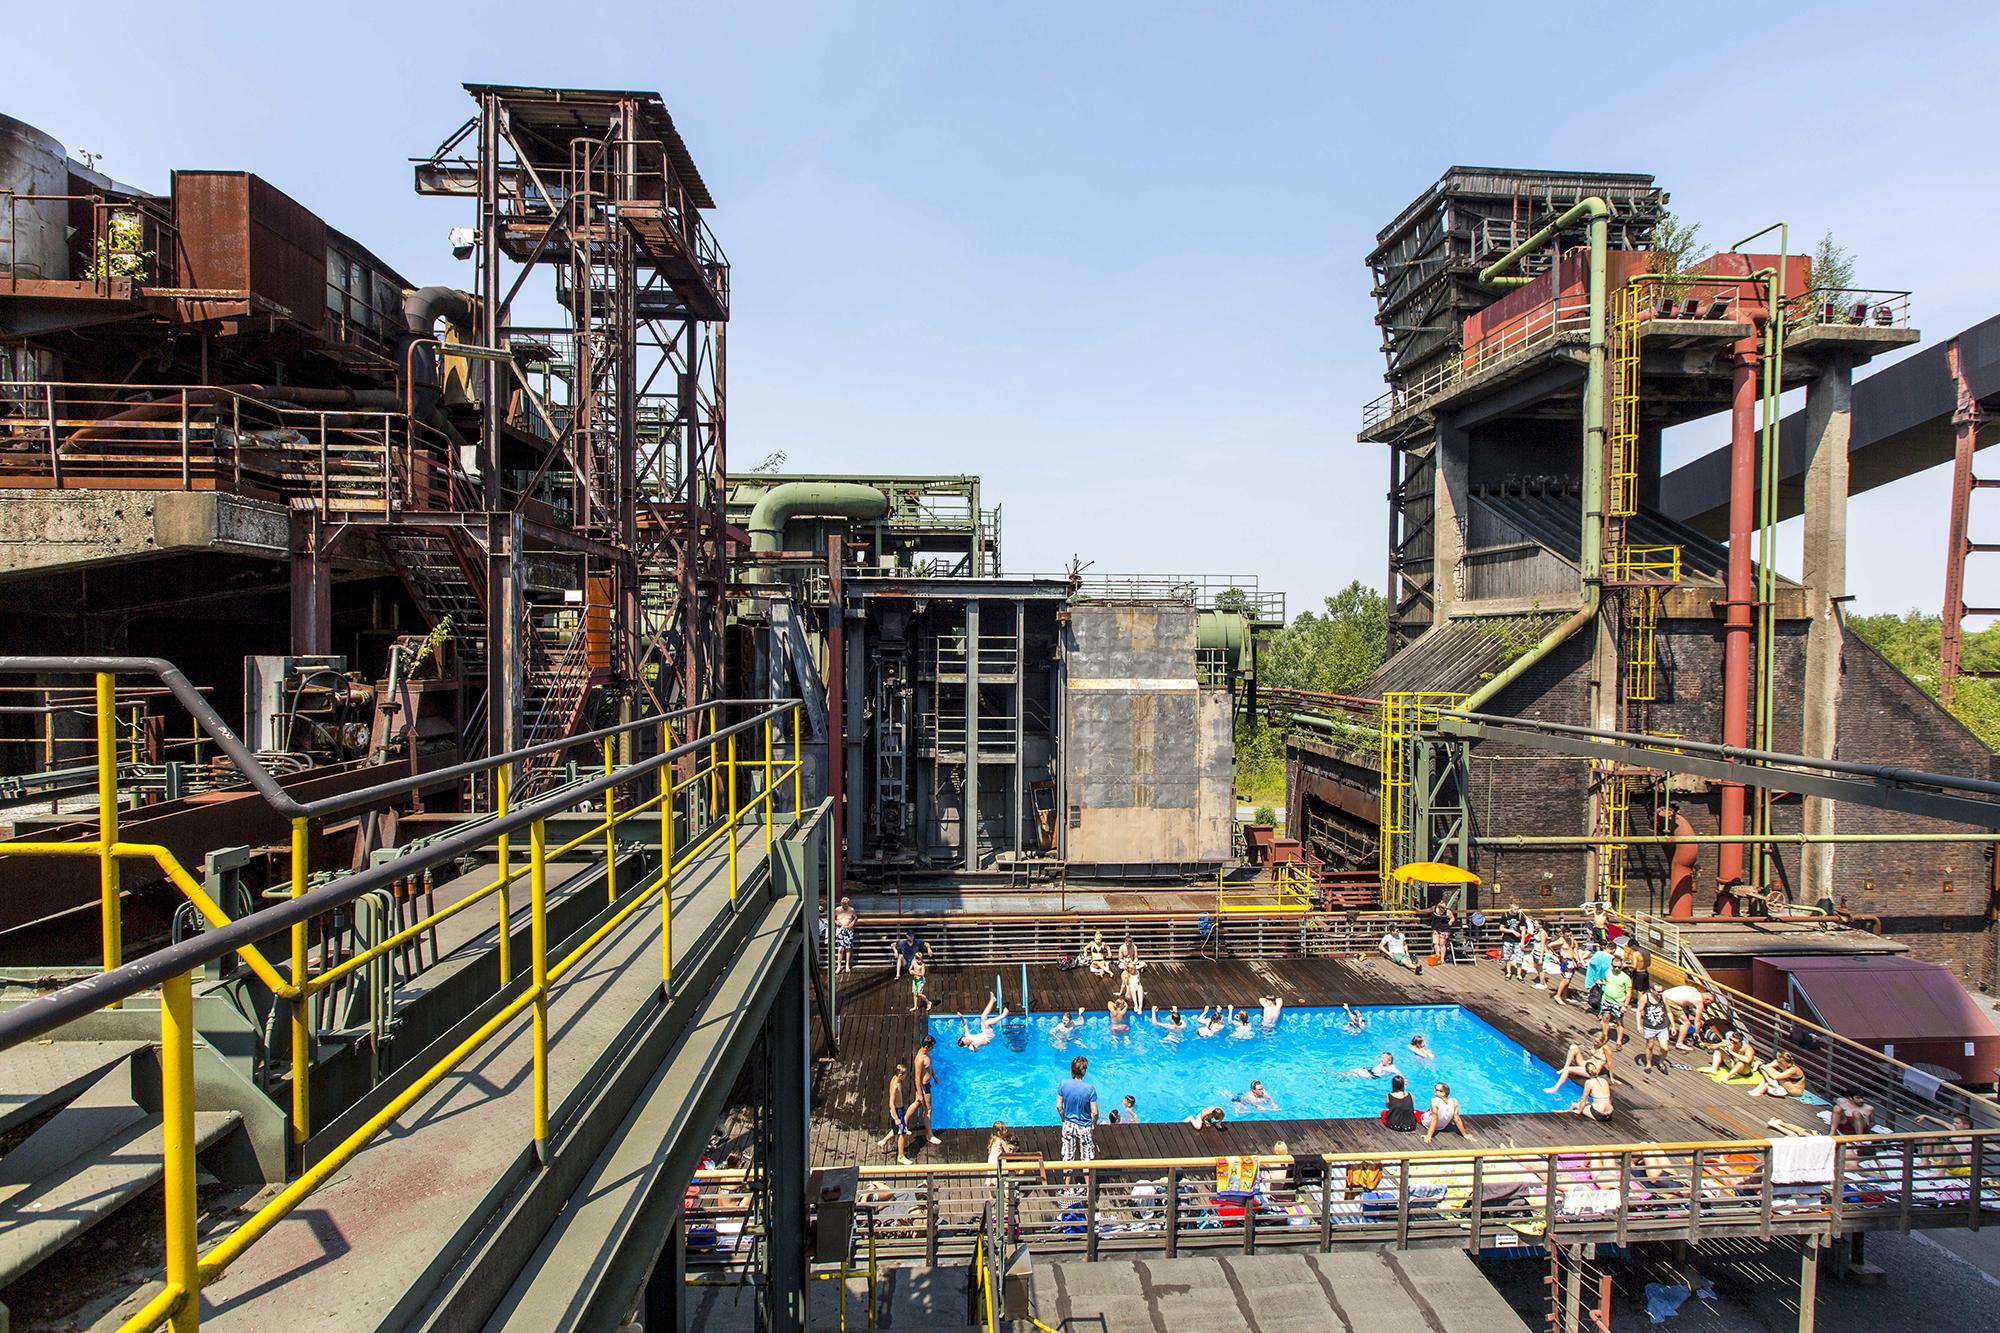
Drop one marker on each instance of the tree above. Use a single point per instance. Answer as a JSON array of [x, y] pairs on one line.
[[1331, 652], [1914, 644], [1674, 243], [1832, 266]]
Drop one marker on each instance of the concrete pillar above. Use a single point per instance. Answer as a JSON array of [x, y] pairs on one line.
[[1450, 501], [1829, 419]]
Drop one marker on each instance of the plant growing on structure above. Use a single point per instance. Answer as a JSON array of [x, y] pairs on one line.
[[1516, 637], [1674, 243], [1832, 266], [772, 462], [120, 252]]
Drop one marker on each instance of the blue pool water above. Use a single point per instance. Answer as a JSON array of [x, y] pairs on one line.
[[1302, 1063]]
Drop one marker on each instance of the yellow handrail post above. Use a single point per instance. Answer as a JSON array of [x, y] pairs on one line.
[[538, 935], [301, 994], [731, 780], [109, 880], [798, 765], [502, 782], [770, 810], [177, 1126], [666, 867], [610, 831]]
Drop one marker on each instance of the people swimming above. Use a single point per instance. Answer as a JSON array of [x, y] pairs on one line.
[[973, 1041], [1356, 1022], [1211, 1022], [1421, 1049], [1256, 1098], [1240, 1025], [1382, 1068], [1121, 1025], [1066, 1027], [1173, 1022], [1273, 1006]]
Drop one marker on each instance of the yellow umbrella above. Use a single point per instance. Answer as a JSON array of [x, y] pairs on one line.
[[1433, 872]]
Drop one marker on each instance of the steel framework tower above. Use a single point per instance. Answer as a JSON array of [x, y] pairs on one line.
[[624, 434]]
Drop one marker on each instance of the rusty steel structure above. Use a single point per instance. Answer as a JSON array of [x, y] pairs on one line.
[[597, 190]]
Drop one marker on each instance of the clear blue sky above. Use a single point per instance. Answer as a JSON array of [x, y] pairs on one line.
[[1109, 256]]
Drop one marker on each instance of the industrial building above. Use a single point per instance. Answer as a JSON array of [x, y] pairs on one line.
[[438, 785], [1573, 586]]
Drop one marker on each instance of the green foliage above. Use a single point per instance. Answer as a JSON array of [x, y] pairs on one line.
[[1674, 244], [1832, 266], [772, 462], [1334, 652], [1514, 639], [1330, 652], [1914, 644], [1265, 815], [119, 252]]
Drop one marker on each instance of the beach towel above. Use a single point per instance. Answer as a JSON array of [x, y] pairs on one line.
[[1589, 1199], [1924, 1085], [1235, 1175], [1740, 1080], [1802, 1160]]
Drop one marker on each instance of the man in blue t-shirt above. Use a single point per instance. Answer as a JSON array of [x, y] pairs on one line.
[[1076, 1103], [1594, 973]]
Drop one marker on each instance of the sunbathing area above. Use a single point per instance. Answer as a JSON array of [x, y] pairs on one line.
[[1684, 1152]]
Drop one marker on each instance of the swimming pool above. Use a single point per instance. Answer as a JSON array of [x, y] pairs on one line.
[[1302, 1063]]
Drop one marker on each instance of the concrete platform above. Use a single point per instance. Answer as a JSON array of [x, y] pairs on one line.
[[1380, 1291]]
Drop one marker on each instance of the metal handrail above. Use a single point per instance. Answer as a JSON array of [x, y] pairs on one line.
[[44, 1014], [266, 785], [172, 969]]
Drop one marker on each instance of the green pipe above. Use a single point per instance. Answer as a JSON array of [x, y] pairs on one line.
[[777, 507], [1767, 546], [1327, 724], [1225, 631], [1596, 388], [1723, 839]]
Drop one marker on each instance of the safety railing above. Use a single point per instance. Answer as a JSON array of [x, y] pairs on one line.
[[1287, 888], [1473, 1198], [130, 242], [71, 434], [1566, 314], [702, 783], [1849, 307]]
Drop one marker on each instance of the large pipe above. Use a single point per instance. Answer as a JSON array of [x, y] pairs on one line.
[[1595, 391], [1227, 632], [1736, 615], [423, 307], [777, 507]]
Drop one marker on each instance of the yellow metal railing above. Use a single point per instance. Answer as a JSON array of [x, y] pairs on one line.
[[1288, 889], [1404, 714], [716, 769]]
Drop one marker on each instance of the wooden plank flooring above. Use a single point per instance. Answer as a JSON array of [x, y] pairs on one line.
[[851, 1093]]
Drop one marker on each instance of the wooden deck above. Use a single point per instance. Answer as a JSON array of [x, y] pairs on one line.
[[850, 1111]]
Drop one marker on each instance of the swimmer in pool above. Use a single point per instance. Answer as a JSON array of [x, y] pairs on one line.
[[1120, 1027], [1420, 1048], [1209, 1023], [1383, 1068], [1066, 1027], [1355, 1022], [1273, 1006], [1174, 1022], [1241, 1025], [972, 1041], [1257, 1099]]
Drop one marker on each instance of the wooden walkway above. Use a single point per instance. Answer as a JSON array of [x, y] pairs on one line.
[[850, 1103]]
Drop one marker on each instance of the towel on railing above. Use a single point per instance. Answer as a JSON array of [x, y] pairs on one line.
[[1805, 1159], [1924, 1085]]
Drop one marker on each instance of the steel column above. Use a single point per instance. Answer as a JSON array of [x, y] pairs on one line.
[[1966, 419], [1736, 613]]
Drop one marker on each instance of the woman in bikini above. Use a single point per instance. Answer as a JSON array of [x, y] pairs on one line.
[[1120, 1025], [1595, 1104]]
